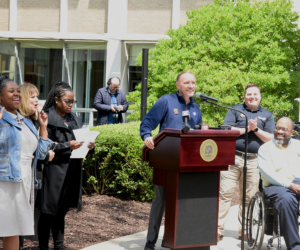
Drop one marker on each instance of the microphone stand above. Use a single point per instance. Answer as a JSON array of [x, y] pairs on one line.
[[244, 168]]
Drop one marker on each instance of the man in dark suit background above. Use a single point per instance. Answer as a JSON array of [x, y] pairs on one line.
[[110, 102]]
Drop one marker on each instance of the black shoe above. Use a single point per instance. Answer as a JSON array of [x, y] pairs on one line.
[[220, 237], [245, 237], [149, 246]]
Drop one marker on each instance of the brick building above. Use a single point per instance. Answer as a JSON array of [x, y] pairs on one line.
[[84, 42]]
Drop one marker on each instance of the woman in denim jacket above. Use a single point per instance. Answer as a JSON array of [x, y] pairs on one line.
[[20, 148]]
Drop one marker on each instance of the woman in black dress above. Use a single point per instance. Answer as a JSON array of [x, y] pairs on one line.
[[62, 177]]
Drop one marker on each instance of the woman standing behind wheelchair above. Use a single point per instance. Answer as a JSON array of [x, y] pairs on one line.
[[62, 177], [20, 147], [29, 108]]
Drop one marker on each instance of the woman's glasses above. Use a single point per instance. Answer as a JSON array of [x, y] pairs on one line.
[[69, 102]]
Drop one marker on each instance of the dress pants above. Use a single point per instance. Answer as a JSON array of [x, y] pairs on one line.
[[156, 214], [286, 203], [228, 182], [54, 223]]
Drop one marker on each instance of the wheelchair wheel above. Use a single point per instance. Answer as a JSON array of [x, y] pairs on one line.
[[256, 221]]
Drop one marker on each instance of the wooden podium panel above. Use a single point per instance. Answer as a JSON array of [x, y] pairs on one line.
[[191, 182]]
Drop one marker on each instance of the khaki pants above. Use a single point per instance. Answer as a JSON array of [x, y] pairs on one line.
[[228, 181]]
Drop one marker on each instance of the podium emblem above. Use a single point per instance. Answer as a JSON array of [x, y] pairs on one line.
[[208, 150]]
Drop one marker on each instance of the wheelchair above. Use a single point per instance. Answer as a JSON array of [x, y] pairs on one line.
[[262, 218]]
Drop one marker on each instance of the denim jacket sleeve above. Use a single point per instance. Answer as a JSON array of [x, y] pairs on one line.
[[44, 146]]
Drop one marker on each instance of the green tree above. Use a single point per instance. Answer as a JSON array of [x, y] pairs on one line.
[[227, 45]]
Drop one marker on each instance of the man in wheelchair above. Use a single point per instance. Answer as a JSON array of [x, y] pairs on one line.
[[279, 164]]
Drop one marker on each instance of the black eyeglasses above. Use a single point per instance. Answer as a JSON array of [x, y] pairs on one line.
[[69, 102], [284, 129], [115, 87]]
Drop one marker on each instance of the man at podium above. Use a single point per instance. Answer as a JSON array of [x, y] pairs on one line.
[[260, 128], [167, 112]]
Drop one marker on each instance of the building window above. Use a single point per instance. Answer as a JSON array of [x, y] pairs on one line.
[[85, 68], [135, 77], [135, 72], [41, 65], [85, 71], [7, 59]]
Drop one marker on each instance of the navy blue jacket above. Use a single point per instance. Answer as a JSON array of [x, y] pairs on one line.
[[167, 112], [102, 104]]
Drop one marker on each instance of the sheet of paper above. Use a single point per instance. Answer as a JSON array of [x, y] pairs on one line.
[[86, 136]]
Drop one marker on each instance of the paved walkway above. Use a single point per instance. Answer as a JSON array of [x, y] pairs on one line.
[[137, 241]]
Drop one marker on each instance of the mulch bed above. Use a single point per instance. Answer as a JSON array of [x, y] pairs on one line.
[[103, 218]]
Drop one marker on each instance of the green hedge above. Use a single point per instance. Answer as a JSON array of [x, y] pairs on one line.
[[117, 168]]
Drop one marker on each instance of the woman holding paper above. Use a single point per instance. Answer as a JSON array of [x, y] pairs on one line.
[[62, 178]]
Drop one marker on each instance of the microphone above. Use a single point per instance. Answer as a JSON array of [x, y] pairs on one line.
[[186, 117], [206, 97]]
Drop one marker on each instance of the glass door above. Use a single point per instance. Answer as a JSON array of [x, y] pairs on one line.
[[41, 65], [85, 71]]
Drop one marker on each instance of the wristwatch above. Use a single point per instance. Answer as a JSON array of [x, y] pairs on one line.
[[256, 129]]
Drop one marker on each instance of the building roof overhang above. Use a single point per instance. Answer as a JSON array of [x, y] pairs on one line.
[[79, 37]]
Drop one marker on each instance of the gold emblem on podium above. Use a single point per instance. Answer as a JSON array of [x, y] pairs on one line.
[[208, 150]]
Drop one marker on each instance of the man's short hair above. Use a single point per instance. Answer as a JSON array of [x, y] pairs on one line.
[[251, 85], [184, 72]]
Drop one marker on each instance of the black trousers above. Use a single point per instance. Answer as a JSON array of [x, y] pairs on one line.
[[156, 214], [54, 223], [286, 203]]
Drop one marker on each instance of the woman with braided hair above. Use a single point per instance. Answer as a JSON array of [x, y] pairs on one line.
[[20, 148], [62, 177]]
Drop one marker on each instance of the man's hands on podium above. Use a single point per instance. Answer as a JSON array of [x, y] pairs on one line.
[[149, 142]]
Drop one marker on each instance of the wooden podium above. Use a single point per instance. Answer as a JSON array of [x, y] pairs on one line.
[[189, 165]]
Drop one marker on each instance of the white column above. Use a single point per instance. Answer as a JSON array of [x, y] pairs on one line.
[[113, 59], [296, 7], [176, 14], [296, 4], [63, 25], [117, 16], [116, 25], [13, 15]]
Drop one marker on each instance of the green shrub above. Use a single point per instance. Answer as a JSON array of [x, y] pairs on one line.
[[117, 168]]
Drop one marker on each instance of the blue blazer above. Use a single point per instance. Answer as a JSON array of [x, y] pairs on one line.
[[10, 148], [102, 104]]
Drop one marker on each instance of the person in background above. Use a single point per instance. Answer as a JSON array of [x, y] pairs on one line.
[[29, 109], [62, 177], [110, 102], [20, 148], [260, 128]]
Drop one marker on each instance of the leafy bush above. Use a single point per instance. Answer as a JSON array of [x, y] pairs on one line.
[[117, 168], [229, 44]]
